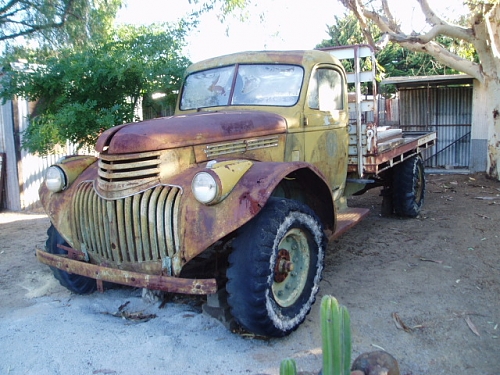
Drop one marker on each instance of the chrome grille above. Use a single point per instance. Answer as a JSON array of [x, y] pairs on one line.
[[139, 228], [119, 172]]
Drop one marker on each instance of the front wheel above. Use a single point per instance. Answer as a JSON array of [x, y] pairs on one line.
[[76, 283], [275, 268], [408, 187]]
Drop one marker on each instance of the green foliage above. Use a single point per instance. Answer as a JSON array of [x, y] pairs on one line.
[[57, 22], [80, 93]]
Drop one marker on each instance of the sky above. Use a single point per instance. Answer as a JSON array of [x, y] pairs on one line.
[[287, 24]]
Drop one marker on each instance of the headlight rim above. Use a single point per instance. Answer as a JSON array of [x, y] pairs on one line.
[[216, 182], [62, 185]]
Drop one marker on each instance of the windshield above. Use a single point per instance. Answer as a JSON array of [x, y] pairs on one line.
[[265, 84]]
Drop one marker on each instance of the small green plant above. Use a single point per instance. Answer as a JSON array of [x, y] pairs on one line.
[[336, 340], [336, 345], [288, 367], [336, 335]]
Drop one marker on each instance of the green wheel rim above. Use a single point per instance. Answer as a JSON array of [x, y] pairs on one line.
[[291, 268]]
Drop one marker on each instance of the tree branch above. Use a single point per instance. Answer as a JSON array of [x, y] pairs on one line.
[[391, 21], [7, 6], [455, 32], [357, 9], [27, 24], [423, 43], [430, 17], [444, 56]]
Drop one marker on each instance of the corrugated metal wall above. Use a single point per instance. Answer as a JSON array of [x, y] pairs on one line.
[[448, 112]]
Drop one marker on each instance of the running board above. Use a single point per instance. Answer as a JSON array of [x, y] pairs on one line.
[[348, 218]]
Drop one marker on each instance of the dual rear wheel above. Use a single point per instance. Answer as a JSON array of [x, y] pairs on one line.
[[408, 187]]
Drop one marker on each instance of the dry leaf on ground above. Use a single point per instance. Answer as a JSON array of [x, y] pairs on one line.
[[471, 325]]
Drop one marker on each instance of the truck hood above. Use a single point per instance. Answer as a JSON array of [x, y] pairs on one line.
[[188, 130]]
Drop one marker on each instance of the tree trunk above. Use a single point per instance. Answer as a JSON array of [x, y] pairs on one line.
[[486, 125]]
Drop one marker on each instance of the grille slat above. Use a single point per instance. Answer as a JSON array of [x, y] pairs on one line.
[[139, 228], [169, 225], [128, 175], [106, 232], [117, 164], [136, 224], [130, 233], [120, 175], [146, 246], [121, 225], [94, 225], [111, 210], [162, 226], [153, 206]]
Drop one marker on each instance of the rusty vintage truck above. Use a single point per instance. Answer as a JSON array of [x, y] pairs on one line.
[[239, 191]]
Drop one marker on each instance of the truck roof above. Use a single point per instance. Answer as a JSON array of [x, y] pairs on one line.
[[306, 58]]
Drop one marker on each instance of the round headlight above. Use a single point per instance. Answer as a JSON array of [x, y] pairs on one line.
[[55, 179], [204, 187]]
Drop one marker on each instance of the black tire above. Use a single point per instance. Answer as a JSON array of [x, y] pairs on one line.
[[266, 295], [76, 283], [408, 187]]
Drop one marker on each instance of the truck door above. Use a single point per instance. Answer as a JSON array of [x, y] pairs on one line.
[[325, 125]]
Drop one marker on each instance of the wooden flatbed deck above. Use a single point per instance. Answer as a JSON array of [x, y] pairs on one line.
[[411, 143]]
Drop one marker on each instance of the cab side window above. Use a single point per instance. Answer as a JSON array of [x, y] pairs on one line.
[[326, 90]]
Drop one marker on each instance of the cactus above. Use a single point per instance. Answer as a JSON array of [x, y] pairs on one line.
[[336, 345], [288, 367], [336, 335]]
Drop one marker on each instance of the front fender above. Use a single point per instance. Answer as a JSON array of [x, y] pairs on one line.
[[57, 206], [203, 225]]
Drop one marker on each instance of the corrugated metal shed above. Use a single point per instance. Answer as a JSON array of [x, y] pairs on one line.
[[442, 104]]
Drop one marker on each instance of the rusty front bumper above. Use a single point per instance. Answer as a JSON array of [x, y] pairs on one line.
[[135, 279]]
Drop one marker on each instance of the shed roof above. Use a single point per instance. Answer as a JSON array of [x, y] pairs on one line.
[[425, 81]]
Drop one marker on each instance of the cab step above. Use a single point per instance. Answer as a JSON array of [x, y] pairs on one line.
[[348, 218]]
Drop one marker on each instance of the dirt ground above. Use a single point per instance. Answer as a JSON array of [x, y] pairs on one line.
[[438, 274]]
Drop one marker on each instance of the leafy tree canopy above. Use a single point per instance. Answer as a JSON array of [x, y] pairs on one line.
[[56, 23], [80, 93]]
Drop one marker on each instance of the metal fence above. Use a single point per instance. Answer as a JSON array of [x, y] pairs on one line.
[[445, 110]]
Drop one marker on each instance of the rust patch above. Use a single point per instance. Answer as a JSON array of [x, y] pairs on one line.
[[135, 279], [237, 127], [72, 253], [190, 130]]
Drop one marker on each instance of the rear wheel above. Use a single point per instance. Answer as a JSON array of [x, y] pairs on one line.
[[275, 268], [75, 283], [408, 187]]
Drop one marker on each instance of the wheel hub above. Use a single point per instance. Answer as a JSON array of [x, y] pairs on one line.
[[283, 266]]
